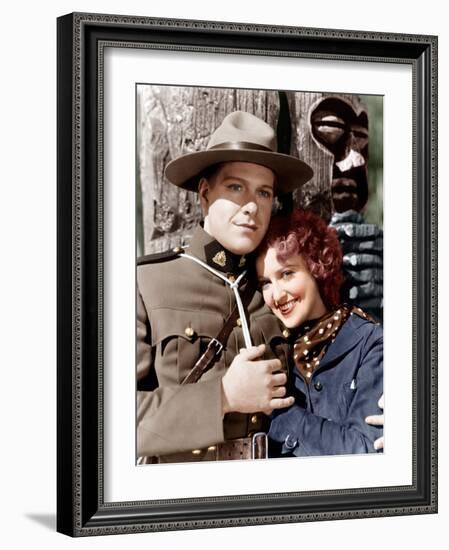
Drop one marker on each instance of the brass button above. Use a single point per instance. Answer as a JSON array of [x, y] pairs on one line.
[[196, 451], [178, 250], [212, 448], [189, 332], [286, 333], [239, 322], [254, 419], [231, 278]]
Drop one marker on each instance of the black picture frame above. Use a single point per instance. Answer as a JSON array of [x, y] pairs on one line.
[[81, 510]]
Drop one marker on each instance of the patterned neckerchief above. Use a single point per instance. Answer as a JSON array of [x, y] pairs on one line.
[[314, 337]]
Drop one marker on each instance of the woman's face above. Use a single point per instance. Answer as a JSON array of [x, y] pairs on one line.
[[289, 289]]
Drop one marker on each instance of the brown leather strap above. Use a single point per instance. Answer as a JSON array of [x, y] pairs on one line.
[[205, 361], [244, 448], [252, 447], [216, 345]]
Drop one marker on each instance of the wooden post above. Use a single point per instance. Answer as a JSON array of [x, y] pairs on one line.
[[175, 121]]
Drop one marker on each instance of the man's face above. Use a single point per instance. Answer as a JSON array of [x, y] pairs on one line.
[[236, 203]]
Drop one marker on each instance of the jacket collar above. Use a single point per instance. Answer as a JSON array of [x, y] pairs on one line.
[[209, 250], [347, 339]]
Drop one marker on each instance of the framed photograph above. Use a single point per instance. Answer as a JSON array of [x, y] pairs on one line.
[[156, 119]]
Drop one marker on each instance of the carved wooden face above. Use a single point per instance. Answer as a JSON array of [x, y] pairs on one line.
[[343, 132]]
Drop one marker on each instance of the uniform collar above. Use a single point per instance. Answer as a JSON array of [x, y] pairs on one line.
[[208, 249]]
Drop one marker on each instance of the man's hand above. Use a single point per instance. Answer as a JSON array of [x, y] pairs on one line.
[[254, 386], [377, 420]]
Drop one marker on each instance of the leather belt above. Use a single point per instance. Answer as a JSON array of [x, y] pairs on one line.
[[244, 448]]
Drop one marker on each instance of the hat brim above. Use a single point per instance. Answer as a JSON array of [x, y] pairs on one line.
[[291, 173]]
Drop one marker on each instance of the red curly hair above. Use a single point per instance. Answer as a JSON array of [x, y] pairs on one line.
[[305, 233]]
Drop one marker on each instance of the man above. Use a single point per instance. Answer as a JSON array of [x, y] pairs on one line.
[[185, 298]]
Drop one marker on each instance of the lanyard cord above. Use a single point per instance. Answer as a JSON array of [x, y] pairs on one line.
[[235, 288]]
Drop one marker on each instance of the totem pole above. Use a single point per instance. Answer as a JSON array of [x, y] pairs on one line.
[[331, 134], [328, 131]]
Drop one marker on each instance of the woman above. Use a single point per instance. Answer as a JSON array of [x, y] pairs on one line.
[[336, 362]]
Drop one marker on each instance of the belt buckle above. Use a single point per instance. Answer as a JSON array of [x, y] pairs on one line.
[[254, 439], [216, 344]]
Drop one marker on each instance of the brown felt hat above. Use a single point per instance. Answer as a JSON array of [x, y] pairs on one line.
[[241, 137]]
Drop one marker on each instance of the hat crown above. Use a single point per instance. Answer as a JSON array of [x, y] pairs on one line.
[[241, 127], [241, 137]]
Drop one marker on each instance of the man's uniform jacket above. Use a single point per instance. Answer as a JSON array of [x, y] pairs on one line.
[[181, 306]]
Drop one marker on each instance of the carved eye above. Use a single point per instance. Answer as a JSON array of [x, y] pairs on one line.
[[328, 128], [360, 134]]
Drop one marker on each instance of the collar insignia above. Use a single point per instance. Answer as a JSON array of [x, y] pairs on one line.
[[220, 258]]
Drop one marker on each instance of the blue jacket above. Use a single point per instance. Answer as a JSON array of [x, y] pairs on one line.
[[329, 414]]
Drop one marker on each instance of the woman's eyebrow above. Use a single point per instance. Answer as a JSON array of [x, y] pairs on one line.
[[275, 273], [291, 263]]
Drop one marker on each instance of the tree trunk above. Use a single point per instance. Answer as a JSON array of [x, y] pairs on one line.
[[175, 121]]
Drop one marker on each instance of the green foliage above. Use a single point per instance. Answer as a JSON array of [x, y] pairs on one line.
[[374, 209]]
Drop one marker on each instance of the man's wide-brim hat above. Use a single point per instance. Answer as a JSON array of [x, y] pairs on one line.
[[241, 137]]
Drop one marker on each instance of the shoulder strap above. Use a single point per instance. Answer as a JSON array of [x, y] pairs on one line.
[[216, 345], [160, 256]]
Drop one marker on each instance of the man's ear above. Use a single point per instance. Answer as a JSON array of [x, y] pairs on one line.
[[203, 192]]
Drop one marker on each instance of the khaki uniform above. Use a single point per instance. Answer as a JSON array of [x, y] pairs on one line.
[[181, 306]]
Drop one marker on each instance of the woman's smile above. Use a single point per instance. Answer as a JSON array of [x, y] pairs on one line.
[[287, 307]]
